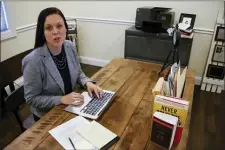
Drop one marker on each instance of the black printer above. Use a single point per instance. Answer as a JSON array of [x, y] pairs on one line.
[[154, 19]]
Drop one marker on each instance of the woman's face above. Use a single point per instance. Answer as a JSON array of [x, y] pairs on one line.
[[54, 30]]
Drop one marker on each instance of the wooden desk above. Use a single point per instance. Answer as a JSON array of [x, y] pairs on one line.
[[129, 116]]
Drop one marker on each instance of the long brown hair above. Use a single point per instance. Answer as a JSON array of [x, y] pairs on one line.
[[40, 38]]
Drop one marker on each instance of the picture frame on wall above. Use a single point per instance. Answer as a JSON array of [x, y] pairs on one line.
[[220, 34], [218, 54], [188, 18], [216, 72]]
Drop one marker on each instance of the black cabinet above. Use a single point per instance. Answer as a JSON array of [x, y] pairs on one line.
[[154, 47]]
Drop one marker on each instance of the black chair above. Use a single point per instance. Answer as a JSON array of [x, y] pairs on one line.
[[10, 70]]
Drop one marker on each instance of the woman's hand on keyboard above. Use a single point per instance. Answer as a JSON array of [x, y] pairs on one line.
[[94, 89], [73, 98]]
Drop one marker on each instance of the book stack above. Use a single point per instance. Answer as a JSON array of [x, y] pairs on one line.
[[185, 30], [168, 101], [175, 107], [187, 33]]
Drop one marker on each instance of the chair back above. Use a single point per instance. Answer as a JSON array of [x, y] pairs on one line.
[[10, 70]]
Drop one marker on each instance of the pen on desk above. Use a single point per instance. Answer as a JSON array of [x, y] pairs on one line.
[[72, 144]]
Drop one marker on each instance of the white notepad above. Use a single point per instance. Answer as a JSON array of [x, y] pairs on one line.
[[98, 135], [69, 129]]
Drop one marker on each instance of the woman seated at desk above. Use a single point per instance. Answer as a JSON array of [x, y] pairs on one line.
[[52, 69]]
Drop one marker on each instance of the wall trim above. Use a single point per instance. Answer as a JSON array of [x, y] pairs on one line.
[[102, 63], [101, 20], [127, 22], [204, 31], [106, 21], [26, 28], [93, 61]]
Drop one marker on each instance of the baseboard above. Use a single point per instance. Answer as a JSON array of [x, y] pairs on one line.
[[93, 61], [198, 80]]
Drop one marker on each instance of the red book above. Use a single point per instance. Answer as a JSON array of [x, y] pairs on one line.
[[178, 135]]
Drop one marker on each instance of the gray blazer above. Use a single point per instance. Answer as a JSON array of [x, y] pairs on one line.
[[43, 85]]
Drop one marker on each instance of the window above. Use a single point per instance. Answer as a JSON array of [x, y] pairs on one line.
[[4, 24], [7, 31]]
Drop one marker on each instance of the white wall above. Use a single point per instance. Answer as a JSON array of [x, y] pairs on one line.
[[104, 40]]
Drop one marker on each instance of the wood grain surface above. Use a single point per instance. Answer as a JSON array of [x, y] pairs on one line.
[[129, 115]]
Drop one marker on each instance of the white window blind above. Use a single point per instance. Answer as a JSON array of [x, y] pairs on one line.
[[4, 24]]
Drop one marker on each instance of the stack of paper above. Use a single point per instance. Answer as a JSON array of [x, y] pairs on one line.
[[180, 82], [183, 26], [174, 85]]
